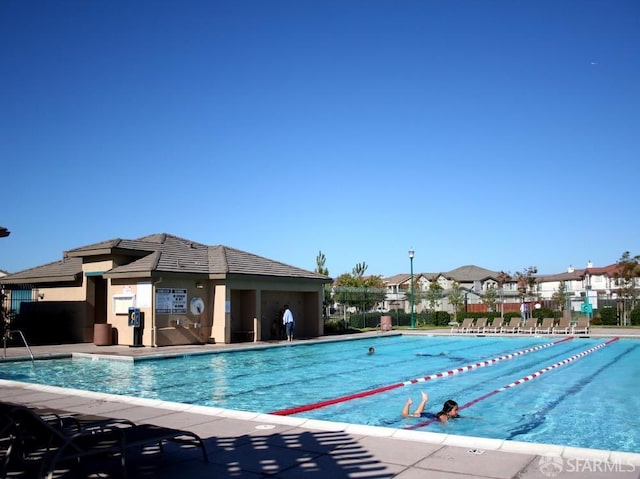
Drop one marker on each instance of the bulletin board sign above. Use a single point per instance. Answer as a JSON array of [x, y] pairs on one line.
[[171, 301], [122, 303]]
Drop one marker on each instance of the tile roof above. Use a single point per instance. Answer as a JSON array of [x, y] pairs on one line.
[[463, 273], [470, 273], [69, 269], [578, 274], [165, 253]]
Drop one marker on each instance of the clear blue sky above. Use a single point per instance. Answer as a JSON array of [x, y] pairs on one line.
[[504, 134]]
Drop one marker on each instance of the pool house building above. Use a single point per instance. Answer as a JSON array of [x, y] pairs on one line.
[[161, 290]]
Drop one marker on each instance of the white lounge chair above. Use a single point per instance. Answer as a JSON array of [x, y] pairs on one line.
[[582, 326], [479, 326], [563, 326], [546, 326], [496, 326], [512, 327], [529, 326], [464, 327]]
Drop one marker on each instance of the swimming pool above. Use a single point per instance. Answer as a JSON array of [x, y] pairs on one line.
[[583, 399]]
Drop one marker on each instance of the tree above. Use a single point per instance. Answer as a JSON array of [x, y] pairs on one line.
[[418, 293], [527, 281], [627, 270], [434, 295], [321, 269], [559, 296], [356, 291], [320, 261], [490, 298], [359, 269], [502, 279], [456, 299]]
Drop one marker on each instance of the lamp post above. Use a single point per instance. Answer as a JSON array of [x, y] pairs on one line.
[[413, 319]]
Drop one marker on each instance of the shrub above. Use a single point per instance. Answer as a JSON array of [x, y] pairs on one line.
[[543, 313], [609, 316], [442, 318], [511, 314], [334, 326], [634, 316]]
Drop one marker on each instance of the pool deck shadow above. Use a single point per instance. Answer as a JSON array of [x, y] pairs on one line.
[[251, 445]]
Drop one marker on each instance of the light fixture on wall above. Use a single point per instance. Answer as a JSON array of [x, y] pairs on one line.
[[199, 285], [41, 296]]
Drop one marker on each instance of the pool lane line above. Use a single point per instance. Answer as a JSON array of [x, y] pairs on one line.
[[451, 372], [538, 417], [521, 380]]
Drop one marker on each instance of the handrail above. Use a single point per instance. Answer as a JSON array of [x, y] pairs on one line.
[[24, 340]]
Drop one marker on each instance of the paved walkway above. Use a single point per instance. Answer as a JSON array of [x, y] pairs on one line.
[[249, 445]]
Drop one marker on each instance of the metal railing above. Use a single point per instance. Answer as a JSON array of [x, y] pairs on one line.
[[24, 340]]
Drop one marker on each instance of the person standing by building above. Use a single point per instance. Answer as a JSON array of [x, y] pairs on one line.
[[289, 323]]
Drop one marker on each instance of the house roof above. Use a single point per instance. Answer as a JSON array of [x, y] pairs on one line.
[[69, 269], [160, 253], [461, 274], [397, 278], [470, 273], [578, 274]]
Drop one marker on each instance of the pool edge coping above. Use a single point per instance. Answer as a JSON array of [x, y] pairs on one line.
[[502, 445]]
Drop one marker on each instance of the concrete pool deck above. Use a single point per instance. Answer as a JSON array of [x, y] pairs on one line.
[[250, 445]]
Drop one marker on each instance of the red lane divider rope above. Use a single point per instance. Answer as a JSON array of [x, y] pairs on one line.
[[521, 380], [371, 392]]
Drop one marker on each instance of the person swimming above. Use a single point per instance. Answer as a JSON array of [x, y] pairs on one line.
[[372, 350], [449, 409]]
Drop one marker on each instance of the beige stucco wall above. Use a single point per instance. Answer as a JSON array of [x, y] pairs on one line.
[[220, 331], [160, 328], [97, 266], [76, 293], [119, 321], [188, 327]]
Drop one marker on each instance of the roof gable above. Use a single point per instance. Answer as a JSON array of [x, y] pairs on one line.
[[470, 273]]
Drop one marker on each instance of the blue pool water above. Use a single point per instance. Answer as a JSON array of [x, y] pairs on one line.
[[592, 401]]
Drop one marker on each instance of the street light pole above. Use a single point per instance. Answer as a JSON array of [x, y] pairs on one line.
[[413, 319]]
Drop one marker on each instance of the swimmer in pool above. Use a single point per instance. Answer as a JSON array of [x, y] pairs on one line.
[[406, 410], [449, 409], [372, 350]]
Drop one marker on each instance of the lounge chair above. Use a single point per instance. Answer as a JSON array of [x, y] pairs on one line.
[[464, 327], [68, 422], [563, 326], [529, 326], [36, 441], [479, 326], [581, 327], [496, 326], [546, 326], [512, 327]]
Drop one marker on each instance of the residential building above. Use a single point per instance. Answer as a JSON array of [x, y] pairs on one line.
[[597, 286]]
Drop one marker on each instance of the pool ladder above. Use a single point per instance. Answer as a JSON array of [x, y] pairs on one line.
[[24, 340]]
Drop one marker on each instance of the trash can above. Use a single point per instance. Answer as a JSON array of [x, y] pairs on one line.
[[102, 335], [385, 323]]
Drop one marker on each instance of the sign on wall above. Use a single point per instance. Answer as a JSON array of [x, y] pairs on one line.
[[171, 301]]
